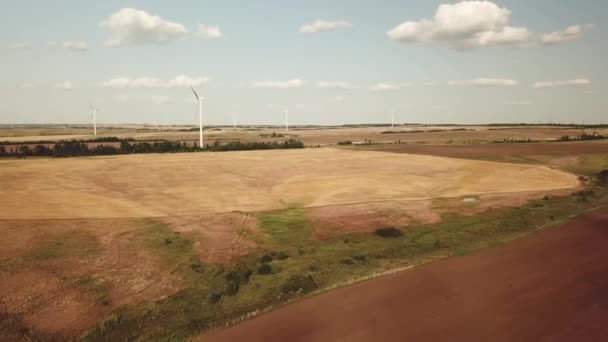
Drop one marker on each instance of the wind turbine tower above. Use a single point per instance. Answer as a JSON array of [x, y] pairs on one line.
[[94, 114], [199, 99], [393, 118], [286, 120]]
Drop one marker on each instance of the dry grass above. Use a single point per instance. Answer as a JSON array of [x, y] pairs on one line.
[[194, 184]]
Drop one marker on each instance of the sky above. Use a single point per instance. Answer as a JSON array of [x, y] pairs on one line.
[[325, 61]]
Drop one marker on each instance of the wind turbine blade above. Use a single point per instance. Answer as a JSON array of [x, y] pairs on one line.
[[195, 94]]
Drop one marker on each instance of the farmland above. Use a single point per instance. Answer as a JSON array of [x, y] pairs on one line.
[[109, 246]]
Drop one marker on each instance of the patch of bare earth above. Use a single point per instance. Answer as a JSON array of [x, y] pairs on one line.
[[48, 303], [135, 273], [220, 238], [366, 217], [65, 295]]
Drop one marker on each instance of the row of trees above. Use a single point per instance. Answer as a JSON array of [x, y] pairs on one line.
[[76, 149], [583, 137]]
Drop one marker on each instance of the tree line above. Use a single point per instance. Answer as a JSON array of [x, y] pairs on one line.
[[78, 148], [583, 137]]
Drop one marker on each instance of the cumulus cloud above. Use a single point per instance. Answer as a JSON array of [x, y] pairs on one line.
[[567, 83], [22, 46], [289, 84], [152, 82], [335, 85], [131, 26], [321, 25], [67, 85], [209, 32], [485, 82], [75, 45], [387, 87], [467, 24], [569, 34]]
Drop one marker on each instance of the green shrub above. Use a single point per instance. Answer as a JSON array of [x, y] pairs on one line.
[[235, 278], [388, 232], [266, 258], [264, 269], [299, 283], [282, 256], [347, 142], [215, 297], [603, 176]]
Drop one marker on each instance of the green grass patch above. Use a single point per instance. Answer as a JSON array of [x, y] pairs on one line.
[[285, 227], [171, 246]]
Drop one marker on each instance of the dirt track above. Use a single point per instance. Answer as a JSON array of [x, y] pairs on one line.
[[549, 286]]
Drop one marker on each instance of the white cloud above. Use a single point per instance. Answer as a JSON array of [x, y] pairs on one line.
[[321, 25], [51, 43], [22, 46], [467, 24], [339, 98], [209, 32], [136, 27], [569, 34], [294, 83], [567, 83], [27, 86], [387, 87], [335, 85], [152, 82], [67, 85], [74, 45], [485, 82], [187, 81]]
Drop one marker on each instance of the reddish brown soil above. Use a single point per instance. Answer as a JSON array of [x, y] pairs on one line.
[[105, 266], [329, 221], [220, 238], [549, 286], [497, 150]]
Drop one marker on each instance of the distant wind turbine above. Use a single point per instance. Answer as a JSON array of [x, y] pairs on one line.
[[94, 113], [393, 118], [235, 118], [200, 100], [286, 120]]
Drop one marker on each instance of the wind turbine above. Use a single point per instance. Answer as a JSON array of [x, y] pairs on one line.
[[94, 113], [393, 118], [286, 120], [200, 100], [235, 118]]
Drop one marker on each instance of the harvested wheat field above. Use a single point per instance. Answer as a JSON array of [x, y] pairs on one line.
[[186, 184]]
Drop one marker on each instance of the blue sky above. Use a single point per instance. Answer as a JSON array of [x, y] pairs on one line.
[[430, 61]]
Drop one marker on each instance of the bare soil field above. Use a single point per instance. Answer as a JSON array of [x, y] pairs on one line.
[[550, 286], [310, 136], [570, 149], [195, 184]]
